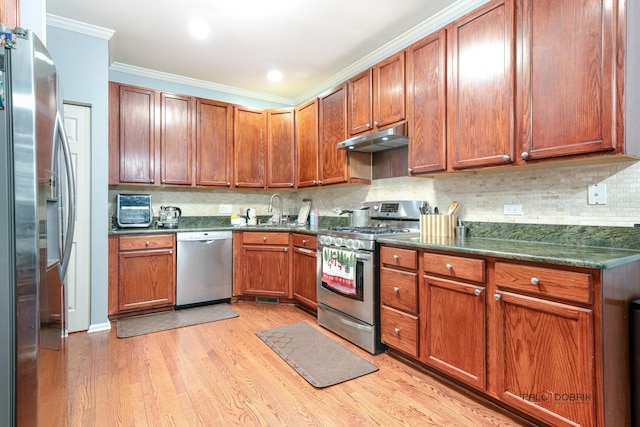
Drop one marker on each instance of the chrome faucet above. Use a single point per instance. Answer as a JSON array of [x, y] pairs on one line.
[[271, 207]]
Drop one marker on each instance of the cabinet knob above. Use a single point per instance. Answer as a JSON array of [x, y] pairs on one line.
[[525, 155], [375, 123], [506, 158], [286, 250], [368, 125], [147, 243], [237, 183], [535, 281], [396, 330], [410, 171], [170, 252], [396, 257], [448, 266], [228, 184], [396, 289], [477, 292], [314, 182], [151, 181], [319, 182], [497, 297], [304, 241], [164, 181], [291, 184], [264, 238]]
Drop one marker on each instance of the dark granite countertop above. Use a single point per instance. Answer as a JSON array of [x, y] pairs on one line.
[[553, 253]]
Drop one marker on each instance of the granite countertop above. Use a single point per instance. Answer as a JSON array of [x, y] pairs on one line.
[[552, 253]]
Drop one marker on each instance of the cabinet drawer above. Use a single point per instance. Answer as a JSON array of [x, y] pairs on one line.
[[568, 285], [398, 289], [267, 238], [454, 266], [304, 241], [156, 241], [405, 258], [399, 330]]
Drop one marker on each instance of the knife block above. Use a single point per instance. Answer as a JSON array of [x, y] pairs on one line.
[[437, 225]]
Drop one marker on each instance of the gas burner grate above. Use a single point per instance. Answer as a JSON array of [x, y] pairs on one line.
[[370, 230]]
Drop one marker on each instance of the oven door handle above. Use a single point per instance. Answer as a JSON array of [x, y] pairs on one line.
[[363, 256]]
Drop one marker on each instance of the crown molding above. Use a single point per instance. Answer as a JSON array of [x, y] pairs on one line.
[[79, 27], [174, 78], [437, 21]]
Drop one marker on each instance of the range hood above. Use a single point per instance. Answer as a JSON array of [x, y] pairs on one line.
[[388, 139]]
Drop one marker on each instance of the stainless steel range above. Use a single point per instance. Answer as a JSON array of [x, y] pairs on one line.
[[348, 287]]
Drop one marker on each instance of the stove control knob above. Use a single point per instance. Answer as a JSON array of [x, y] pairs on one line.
[[357, 244], [337, 241]]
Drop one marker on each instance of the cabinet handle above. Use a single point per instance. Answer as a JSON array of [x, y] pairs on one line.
[[396, 257], [535, 281], [477, 292], [448, 266], [396, 289], [525, 155], [147, 243], [497, 297], [506, 158], [264, 238], [396, 330]]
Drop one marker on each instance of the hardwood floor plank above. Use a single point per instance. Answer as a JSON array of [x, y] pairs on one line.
[[222, 374]]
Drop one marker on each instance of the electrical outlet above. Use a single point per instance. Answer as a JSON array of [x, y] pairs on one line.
[[597, 194], [513, 209], [226, 209]]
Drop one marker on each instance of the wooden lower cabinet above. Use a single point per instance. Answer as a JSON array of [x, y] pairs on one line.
[[549, 342], [261, 264], [304, 270], [141, 273]]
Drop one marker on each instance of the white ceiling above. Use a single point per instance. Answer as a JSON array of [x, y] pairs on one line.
[[315, 44]]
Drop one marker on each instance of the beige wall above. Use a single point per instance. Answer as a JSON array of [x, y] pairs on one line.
[[555, 195]]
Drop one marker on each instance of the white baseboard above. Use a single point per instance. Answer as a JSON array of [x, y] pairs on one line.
[[99, 327]]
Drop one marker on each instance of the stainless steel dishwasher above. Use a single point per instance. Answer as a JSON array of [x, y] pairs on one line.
[[204, 273]]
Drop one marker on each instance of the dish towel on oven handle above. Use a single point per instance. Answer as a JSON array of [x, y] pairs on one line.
[[338, 270]]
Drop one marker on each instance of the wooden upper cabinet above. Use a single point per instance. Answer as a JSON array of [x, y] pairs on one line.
[[138, 135], [426, 93], [377, 95], [250, 147], [333, 129], [306, 139], [481, 84], [566, 99], [214, 143], [389, 91], [280, 148], [176, 139], [10, 13]]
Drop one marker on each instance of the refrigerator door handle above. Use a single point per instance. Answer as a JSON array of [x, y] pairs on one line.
[[71, 219]]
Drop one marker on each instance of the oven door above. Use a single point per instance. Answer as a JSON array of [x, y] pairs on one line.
[[356, 301]]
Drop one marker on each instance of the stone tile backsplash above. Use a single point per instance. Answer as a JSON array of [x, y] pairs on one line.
[[556, 195]]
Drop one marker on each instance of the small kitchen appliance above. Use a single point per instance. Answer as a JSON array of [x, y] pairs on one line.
[[169, 216], [348, 284], [133, 210]]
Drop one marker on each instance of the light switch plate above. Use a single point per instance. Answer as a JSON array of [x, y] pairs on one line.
[[597, 194]]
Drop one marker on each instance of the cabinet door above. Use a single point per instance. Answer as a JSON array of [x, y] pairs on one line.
[[176, 139], [566, 100], [546, 359], [138, 135], [265, 270], [250, 147], [280, 148], [305, 277], [307, 144], [453, 327], [389, 90], [147, 279], [481, 84], [9, 15], [214, 143], [360, 102], [426, 63], [333, 129]]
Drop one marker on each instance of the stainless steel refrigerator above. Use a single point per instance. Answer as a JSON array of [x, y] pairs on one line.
[[36, 221]]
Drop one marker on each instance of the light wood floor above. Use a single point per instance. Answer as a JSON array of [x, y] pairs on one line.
[[222, 374]]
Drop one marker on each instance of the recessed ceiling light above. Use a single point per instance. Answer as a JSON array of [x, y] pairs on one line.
[[274, 76], [199, 29]]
